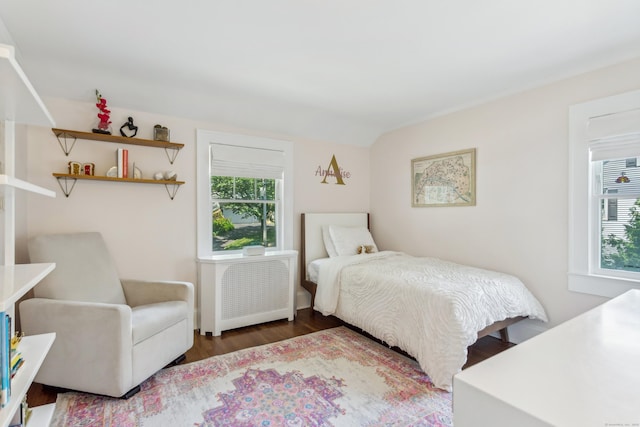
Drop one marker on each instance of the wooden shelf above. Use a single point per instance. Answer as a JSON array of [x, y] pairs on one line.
[[64, 135], [66, 189], [108, 178]]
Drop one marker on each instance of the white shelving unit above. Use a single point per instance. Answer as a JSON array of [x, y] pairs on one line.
[[19, 103], [17, 280], [34, 349]]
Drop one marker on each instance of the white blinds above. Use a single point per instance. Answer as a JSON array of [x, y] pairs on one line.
[[615, 148], [247, 162], [614, 136]]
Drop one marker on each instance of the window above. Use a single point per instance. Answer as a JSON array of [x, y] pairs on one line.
[[617, 196], [604, 195], [244, 193]]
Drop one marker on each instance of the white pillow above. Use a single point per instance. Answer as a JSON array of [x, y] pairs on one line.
[[328, 243], [347, 240]]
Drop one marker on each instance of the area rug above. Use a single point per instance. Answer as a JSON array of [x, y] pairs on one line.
[[334, 377]]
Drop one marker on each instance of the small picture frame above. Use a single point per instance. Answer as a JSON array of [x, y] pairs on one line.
[[160, 133]]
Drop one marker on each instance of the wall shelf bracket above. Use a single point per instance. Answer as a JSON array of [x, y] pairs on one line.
[[66, 185], [172, 153], [66, 141], [172, 190]]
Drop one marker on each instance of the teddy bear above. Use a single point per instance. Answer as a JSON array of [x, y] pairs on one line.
[[366, 249]]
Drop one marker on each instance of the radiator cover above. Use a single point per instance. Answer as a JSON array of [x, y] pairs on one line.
[[236, 290]]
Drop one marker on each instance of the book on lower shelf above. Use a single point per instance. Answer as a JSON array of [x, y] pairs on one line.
[[16, 355], [21, 417], [5, 358], [122, 158]]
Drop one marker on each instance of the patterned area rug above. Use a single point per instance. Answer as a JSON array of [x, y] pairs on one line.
[[334, 377]]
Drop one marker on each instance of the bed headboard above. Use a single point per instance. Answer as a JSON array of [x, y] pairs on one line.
[[312, 245]]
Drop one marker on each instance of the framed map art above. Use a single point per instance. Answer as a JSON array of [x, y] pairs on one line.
[[447, 179]]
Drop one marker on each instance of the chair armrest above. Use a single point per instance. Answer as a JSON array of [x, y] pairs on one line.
[[100, 324], [88, 335], [141, 292]]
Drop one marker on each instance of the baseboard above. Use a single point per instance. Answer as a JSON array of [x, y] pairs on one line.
[[303, 299]]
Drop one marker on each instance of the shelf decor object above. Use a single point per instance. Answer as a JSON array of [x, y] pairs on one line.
[[160, 133], [129, 126], [67, 139], [19, 103], [104, 125]]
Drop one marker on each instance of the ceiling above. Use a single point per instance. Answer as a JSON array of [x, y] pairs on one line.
[[329, 70]]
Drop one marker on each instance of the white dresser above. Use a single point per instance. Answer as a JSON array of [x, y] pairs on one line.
[[584, 372], [238, 290]]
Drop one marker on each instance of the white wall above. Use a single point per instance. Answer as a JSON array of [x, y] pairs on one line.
[[149, 235], [520, 223]]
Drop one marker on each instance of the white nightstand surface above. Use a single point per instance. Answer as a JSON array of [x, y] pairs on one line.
[[584, 372]]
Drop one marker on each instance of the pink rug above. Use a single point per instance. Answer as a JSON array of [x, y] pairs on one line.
[[334, 377]]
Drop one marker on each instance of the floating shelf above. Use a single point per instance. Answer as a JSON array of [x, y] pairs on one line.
[[65, 178], [20, 102], [17, 280], [68, 138], [7, 181]]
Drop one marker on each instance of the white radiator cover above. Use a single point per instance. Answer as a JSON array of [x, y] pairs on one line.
[[236, 290]]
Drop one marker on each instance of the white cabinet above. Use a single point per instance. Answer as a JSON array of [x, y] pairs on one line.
[[236, 290], [19, 103]]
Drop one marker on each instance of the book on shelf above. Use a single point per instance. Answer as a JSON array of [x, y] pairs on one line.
[[21, 417], [16, 355], [122, 159], [5, 358]]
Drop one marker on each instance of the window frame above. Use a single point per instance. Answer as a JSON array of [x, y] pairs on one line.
[[583, 236], [204, 138]]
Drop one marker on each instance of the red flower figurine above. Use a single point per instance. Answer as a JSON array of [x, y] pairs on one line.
[[103, 115]]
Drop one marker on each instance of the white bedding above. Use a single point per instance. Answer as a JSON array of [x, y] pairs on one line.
[[430, 308], [313, 269]]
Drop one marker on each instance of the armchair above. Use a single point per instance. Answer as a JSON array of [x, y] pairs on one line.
[[111, 334]]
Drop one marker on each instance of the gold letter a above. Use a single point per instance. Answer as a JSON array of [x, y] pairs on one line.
[[336, 171]]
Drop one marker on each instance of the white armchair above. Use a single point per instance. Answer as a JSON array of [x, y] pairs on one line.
[[111, 334]]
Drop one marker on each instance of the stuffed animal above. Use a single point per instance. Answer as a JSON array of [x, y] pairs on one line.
[[366, 249]]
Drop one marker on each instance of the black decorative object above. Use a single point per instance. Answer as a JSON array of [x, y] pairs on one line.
[[129, 125]]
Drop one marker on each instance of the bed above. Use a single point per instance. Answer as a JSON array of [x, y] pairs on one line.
[[430, 308]]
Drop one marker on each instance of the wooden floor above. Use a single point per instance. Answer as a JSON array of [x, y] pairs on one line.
[[306, 321]]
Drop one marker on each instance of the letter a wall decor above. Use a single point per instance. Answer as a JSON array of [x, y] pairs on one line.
[[334, 171]]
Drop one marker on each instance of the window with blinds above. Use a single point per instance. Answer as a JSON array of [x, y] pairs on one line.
[[604, 195], [614, 148], [244, 194], [246, 189]]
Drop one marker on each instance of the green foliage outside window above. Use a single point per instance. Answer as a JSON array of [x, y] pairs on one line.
[[624, 253], [251, 199]]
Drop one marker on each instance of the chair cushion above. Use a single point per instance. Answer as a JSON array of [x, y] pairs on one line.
[[84, 269], [151, 319]]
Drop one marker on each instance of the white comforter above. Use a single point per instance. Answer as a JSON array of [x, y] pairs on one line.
[[430, 308]]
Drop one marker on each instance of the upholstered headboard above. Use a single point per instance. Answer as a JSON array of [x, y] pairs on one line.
[[312, 245]]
